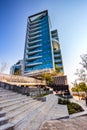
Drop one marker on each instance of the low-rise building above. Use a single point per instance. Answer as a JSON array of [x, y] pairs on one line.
[[17, 68]]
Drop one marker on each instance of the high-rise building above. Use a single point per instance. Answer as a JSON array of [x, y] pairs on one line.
[[42, 49]]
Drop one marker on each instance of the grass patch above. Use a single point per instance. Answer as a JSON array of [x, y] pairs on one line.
[[72, 107], [42, 95]]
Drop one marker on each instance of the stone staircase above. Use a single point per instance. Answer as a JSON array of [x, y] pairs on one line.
[[21, 112]]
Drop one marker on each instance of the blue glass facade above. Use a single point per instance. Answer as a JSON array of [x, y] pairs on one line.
[[17, 68], [56, 50], [39, 51]]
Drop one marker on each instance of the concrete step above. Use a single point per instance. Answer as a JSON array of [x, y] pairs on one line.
[[10, 126], [4, 120], [5, 105], [34, 121], [7, 126], [26, 116], [24, 113], [19, 111], [2, 114], [16, 114], [12, 99], [18, 105], [7, 94], [6, 91], [12, 114], [39, 118], [3, 90]]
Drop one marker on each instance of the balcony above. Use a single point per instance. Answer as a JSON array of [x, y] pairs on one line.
[[34, 64], [33, 58], [34, 37], [35, 22], [58, 61], [56, 51], [33, 47], [57, 55], [34, 33], [33, 52], [35, 29], [34, 42], [35, 26]]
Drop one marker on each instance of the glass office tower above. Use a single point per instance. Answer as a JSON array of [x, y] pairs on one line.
[[56, 50], [42, 49]]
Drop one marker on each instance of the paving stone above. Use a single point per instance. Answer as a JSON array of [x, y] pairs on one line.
[[8, 126], [67, 124]]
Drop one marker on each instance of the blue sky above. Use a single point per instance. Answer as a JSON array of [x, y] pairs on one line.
[[68, 16]]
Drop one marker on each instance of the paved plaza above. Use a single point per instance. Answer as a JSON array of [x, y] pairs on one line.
[[78, 123]]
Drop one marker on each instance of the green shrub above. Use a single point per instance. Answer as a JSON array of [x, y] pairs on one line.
[[76, 107], [63, 101], [71, 111], [72, 107]]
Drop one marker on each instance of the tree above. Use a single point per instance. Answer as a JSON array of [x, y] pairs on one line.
[[82, 87], [47, 77], [84, 61], [3, 67], [75, 88], [82, 73]]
